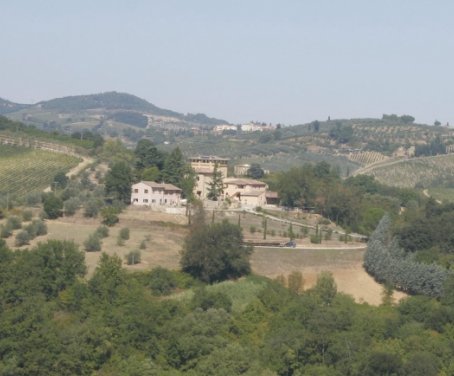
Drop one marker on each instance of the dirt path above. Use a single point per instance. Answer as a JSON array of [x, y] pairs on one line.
[[86, 161]]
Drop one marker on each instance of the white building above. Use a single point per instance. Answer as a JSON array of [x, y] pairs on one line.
[[149, 193]]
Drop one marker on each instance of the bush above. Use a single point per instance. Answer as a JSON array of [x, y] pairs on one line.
[[33, 199], [205, 300], [36, 228], [162, 281], [70, 206], [52, 206], [252, 229], [22, 238], [93, 243], [5, 231], [143, 244], [102, 231], [92, 208], [133, 257], [14, 222], [27, 215], [124, 233], [109, 215]]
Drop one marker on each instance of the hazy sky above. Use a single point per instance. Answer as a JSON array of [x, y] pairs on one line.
[[288, 61]]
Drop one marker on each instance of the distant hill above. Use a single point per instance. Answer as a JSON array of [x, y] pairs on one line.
[[110, 114], [8, 106]]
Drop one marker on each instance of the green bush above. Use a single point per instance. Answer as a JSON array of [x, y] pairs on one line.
[[27, 215], [110, 215], [70, 206], [252, 229], [5, 231], [143, 244], [22, 238], [124, 233], [162, 281], [14, 222], [133, 257], [102, 231], [92, 208], [52, 206], [93, 243]]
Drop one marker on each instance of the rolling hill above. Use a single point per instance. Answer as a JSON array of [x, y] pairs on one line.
[[111, 113]]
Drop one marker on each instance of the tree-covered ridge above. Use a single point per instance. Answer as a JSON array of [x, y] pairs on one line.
[[53, 322], [120, 101]]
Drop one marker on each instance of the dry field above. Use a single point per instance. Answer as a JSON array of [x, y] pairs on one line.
[[166, 232], [345, 265]]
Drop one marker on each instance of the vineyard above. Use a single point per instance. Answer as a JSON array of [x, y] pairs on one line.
[[24, 170], [367, 157], [416, 171]]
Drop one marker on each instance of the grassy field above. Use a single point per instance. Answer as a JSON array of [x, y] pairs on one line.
[[24, 170]]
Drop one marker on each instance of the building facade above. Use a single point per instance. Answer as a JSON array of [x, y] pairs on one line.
[[248, 192], [149, 193], [204, 168]]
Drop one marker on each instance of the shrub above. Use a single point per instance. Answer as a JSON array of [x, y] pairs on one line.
[[162, 281], [93, 243], [14, 222], [27, 215], [5, 231], [133, 257], [33, 199], [252, 229], [40, 227], [102, 231], [109, 215], [143, 244], [52, 206], [22, 238], [92, 208], [124, 233], [205, 300], [70, 206]]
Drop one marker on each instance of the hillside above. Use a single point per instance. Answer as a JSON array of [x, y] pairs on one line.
[[348, 144], [8, 106], [112, 114]]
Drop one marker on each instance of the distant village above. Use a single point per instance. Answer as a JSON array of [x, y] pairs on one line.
[[237, 191]]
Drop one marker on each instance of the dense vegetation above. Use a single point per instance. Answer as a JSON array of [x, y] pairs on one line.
[[54, 323], [357, 203]]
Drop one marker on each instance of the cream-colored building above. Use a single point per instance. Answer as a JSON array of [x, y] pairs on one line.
[[149, 193], [248, 192], [204, 167]]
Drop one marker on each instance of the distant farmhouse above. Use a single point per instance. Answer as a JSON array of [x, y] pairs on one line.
[[204, 167], [247, 192], [242, 191], [149, 193]]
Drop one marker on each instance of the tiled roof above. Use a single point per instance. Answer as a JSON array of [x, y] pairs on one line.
[[165, 186], [244, 182]]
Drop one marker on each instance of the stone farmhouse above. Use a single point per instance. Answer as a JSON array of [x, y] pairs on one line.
[[204, 167], [247, 192], [149, 193]]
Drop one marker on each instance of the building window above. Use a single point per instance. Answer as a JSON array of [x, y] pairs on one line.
[[136, 190], [145, 191], [136, 200], [153, 201], [165, 201], [145, 200]]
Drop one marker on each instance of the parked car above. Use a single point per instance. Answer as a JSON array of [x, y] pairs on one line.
[[291, 244]]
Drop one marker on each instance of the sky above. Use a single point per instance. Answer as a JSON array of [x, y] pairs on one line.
[[287, 61]]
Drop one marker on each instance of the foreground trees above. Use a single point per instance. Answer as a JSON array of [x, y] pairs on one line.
[[215, 253]]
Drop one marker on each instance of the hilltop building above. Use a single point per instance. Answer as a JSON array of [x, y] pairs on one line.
[[149, 193], [204, 167]]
